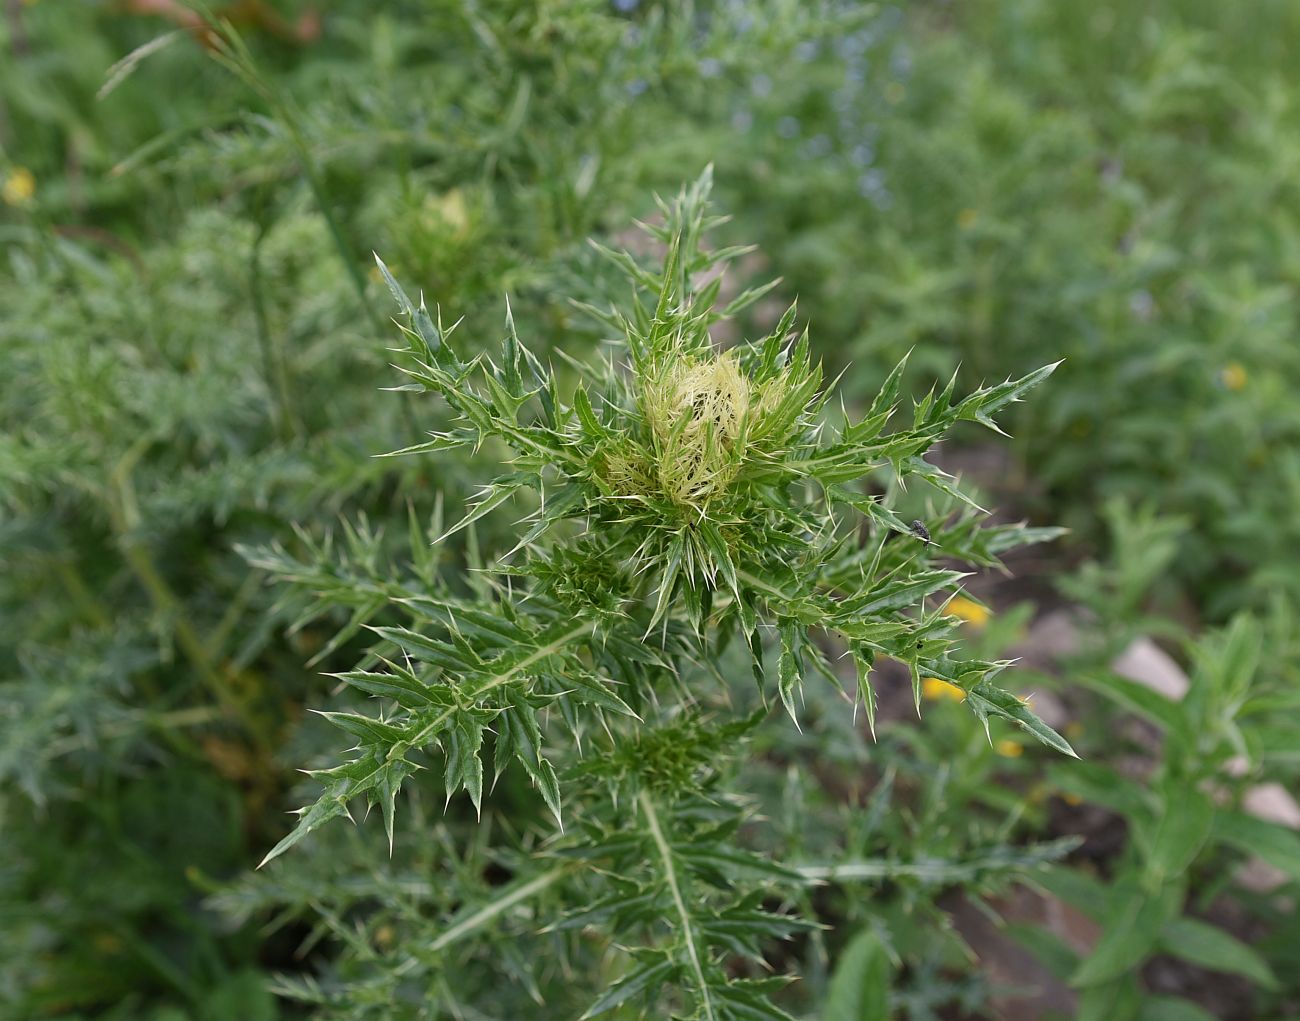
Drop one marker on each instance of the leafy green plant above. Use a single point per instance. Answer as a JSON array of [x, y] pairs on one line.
[[1175, 775], [677, 499], [187, 363], [1186, 828], [1001, 184], [189, 354]]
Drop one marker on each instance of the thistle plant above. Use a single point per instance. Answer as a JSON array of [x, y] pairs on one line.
[[684, 509]]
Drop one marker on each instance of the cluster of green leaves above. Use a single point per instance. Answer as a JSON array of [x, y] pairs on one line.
[[189, 344], [677, 498], [189, 354], [1003, 184], [142, 431], [1187, 831], [1009, 182], [1175, 826]]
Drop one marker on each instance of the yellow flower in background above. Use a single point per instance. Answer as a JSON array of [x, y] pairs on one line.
[[934, 689], [969, 611], [450, 209], [19, 187], [1009, 749], [1233, 376], [107, 943], [967, 219], [1072, 800]]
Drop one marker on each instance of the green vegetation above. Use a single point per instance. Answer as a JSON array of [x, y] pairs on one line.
[[622, 604]]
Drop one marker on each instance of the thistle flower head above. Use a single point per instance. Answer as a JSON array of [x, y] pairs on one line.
[[696, 414]]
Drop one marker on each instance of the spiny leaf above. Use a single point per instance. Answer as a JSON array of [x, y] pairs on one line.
[[862, 662], [986, 700], [365, 728], [439, 443], [982, 405], [400, 684], [789, 668], [647, 977], [902, 591], [493, 496], [342, 783], [523, 738]]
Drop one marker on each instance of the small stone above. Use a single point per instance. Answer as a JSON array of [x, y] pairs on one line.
[[1259, 876], [1272, 803], [1145, 663]]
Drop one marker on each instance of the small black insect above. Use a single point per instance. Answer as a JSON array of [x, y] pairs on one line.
[[921, 532]]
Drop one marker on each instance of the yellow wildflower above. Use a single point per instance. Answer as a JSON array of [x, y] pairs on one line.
[[934, 689], [19, 187], [107, 943], [1233, 376], [1072, 799], [450, 209], [1009, 749], [968, 610], [967, 219]]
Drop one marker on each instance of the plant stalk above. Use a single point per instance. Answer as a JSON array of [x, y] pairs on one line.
[[670, 873]]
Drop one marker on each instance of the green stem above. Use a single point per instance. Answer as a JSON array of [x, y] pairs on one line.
[[274, 366], [234, 611], [49, 240], [91, 607], [236, 57], [157, 962], [194, 716], [125, 517], [670, 873], [485, 914]]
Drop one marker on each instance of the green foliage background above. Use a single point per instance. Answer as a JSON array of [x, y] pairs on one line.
[[192, 346]]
